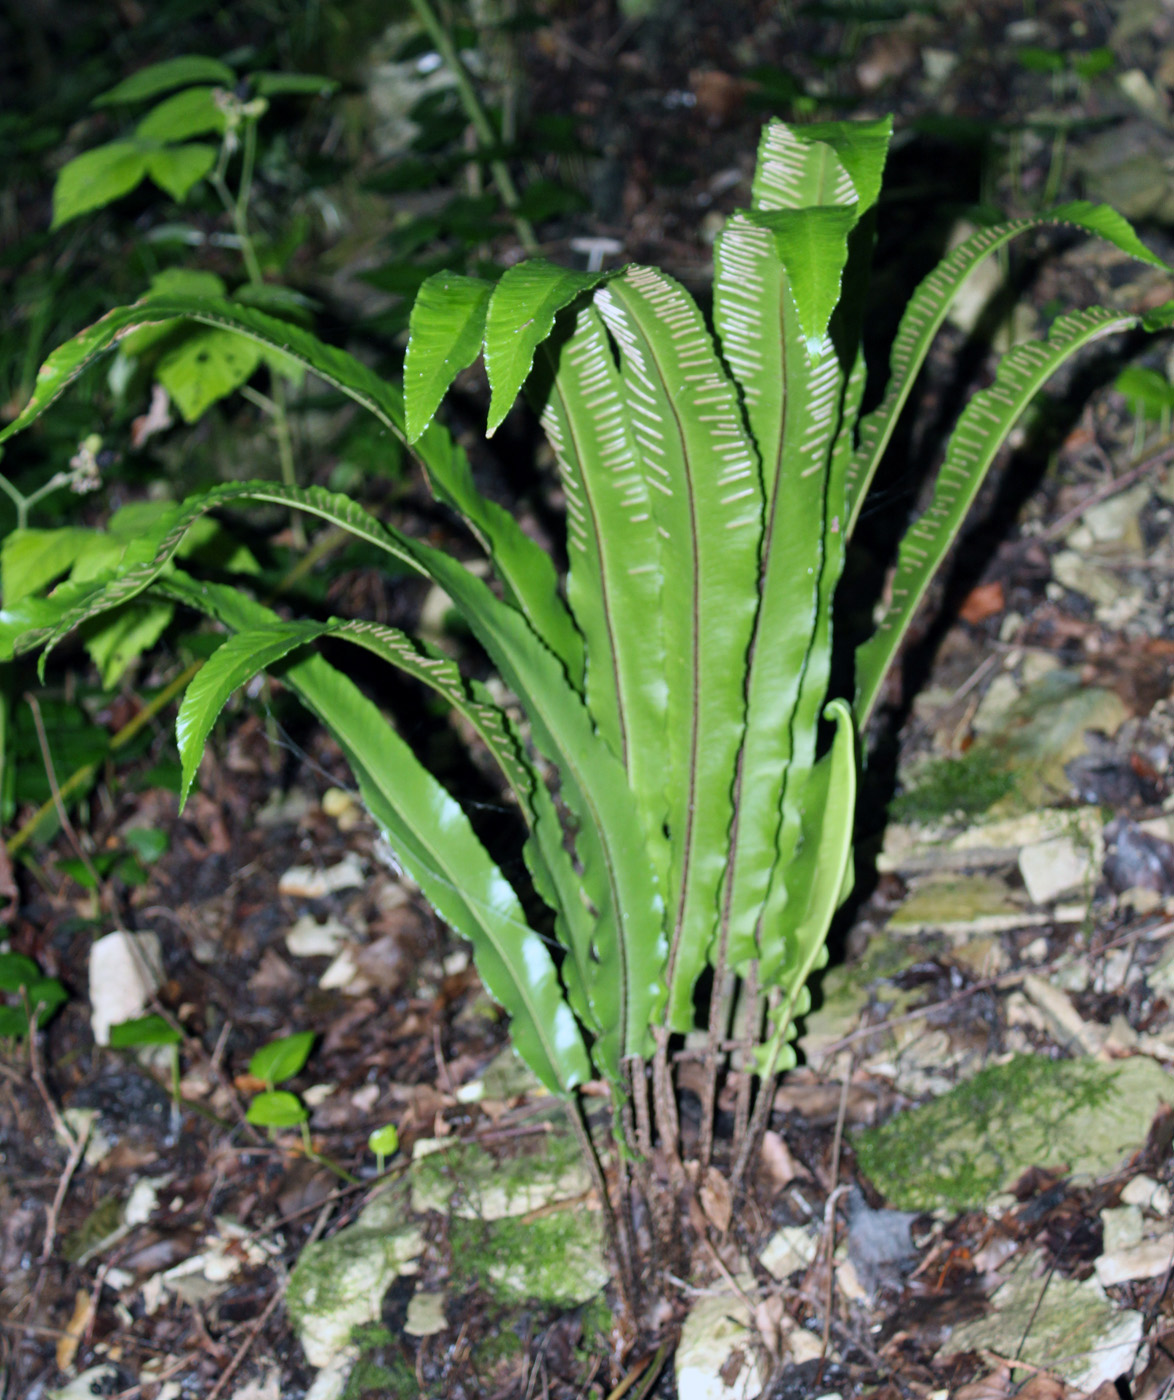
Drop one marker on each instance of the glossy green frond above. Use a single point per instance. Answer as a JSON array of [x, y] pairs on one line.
[[445, 333], [931, 302], [614, 581], [704, 483], [521, 316], [981, 431], [433, 840]]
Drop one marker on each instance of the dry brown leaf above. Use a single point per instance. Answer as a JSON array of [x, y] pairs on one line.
[[985, 601], [996, 1386], [716, 1201], [1044, 1387], [777, 1163]]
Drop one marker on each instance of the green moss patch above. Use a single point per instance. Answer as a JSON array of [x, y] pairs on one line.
[[976, 1140]]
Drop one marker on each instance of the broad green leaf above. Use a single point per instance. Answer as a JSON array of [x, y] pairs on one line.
[[433, 840], [930, 303], [119, 641], [1148, 391], [44, 997], [32, 559], [292, 84], [282, 1059], [144, 1030], [446, 328], [704, 482], [193, 112], [205, 366], [277, 1108], [980, 432], [521, 315], [614, 578], [812, 245], [17, 971], [525, 568], [97, 178], [162, 77], [178, 282], [175, 169]]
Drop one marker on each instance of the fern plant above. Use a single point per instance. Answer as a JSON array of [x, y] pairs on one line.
[[689, 819]]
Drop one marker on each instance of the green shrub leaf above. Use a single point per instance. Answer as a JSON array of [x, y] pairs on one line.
[[175, 169], [17, 971], [193, 112], [97, 178], [162, 77]]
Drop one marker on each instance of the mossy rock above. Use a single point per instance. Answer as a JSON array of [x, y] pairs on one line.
[[977, 1139], [556, 1259]]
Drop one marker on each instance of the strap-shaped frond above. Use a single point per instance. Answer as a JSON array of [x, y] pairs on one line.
[[703, 477], [929, 305], [609, 837], [614, 581], [521, 316], [524, 568], [445, 332], [819, 880], [433, 840], [981, 431]]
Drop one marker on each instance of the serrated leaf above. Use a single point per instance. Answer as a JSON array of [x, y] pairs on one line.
[[32, 559], [282, 1059], [175, 169], [97, 178], [162, 77], [445, 333], [117, 643], [521, 315], [193, 112], [204, 367], [144, 1030], [277, 1108]]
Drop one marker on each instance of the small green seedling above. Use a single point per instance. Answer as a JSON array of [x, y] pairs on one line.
[[384, 1142], [39, 996], [1151, 396], [151, 1031], [273, 1063]]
